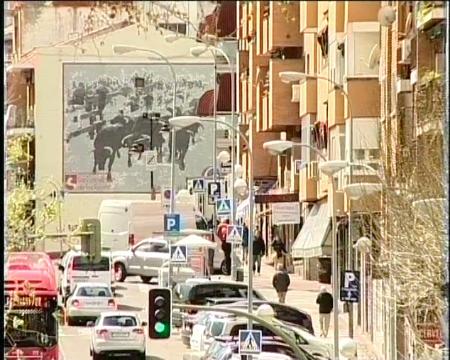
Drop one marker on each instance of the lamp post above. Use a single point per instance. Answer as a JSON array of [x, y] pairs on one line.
[[183, 121], [123, 49], [291, 76]]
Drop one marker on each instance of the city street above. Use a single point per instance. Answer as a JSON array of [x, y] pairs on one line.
[[131, 295]]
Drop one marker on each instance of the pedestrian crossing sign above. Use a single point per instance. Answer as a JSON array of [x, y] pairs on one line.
[[250, 342], [178, 254], [223, 207], [198, 185], [234, 233]]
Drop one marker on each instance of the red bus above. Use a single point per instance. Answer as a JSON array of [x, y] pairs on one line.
[[31, 304]]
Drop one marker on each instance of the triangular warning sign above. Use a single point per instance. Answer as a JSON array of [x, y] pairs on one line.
[[223, 206], [250, 343], [178, 255], [234, 234], [198, 185]]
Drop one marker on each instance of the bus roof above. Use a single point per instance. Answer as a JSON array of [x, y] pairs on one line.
[[27, 271]]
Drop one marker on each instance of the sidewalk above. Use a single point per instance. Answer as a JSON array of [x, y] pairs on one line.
[[302, 294]]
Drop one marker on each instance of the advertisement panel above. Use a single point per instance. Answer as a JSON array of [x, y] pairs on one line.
[[111, 109]]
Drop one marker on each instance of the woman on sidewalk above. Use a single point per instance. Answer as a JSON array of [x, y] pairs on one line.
[[259, 249]]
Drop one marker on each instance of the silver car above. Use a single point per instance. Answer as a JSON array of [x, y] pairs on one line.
[[88, 301], [143, 259]]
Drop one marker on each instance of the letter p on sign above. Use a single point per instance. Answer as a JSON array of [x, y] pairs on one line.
[[349, 279], [172, 222]]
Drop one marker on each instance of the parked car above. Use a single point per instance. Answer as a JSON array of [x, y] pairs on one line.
[[204, 292], [89, 300], [76, 267], [118, 332], [283, 312], [146, 258]]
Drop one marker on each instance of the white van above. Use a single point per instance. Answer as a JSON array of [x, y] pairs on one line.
[[126, 222], [75, 268]]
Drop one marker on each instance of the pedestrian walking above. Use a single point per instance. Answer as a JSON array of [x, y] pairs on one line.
[[259, 249], [325, 301], [280, 250], [226, 247], [245, 243], [281, 282]]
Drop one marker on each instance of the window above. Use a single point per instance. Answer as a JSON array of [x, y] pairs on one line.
[[159, 248], [359, 154], [94, 291], [216, 328], [125, 321], [362, 39], [82, 263]]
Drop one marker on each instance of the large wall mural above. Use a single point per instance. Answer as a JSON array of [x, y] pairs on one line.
[[112, 108]]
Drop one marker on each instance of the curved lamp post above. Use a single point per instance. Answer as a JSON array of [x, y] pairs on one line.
[[197, 51], [183, 121], [123, 49]]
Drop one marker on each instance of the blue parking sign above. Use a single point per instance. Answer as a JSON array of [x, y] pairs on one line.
[[171, 222]]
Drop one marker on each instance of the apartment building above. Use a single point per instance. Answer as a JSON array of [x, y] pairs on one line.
[[412, 71]]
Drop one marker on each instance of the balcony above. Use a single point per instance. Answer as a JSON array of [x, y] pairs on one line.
[[429, 14], [308, 15], [308, 97], [307, 185], [335, 108], [278, 110], [283, 26]]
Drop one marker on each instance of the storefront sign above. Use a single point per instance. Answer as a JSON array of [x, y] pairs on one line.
[[286, 213], [430, 333]]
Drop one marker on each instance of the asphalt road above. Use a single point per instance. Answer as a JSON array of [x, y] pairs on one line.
[[131, 295]]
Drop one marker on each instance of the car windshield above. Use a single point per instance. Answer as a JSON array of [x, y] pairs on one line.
[[82, 263], [120, 320], [94, 291], [220, 291]]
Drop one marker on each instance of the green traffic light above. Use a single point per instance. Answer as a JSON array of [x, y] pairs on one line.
[[160, 327]]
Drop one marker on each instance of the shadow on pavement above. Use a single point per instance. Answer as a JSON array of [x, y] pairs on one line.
[[129, 308], [120, 287]]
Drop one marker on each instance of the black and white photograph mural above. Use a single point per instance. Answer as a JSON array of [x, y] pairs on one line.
[[116, 135]]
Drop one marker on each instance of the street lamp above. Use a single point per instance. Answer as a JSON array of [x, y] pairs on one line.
[[198, 51], [123, 49], [239, 186]]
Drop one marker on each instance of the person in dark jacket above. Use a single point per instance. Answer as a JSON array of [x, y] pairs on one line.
[[259, 249], [281, 282], [245, 243], [325, 301]]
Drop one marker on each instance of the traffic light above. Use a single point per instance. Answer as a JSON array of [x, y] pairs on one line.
[[91, 244], [159, 313]]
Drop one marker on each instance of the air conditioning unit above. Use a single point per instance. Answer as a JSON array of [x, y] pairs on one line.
[[295, 93], [313, 170], [406, 51], [403, 85]]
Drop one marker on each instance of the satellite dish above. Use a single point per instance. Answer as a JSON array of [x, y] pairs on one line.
[[374, 57], [386, 16]]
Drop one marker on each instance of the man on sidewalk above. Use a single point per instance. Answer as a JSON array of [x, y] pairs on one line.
[[281, 282], [325, 301]]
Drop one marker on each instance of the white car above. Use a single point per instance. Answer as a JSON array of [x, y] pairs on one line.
[[89, 300], [118, 332]]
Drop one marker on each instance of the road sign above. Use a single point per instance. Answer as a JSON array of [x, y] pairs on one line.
[[171, 222], [350, 286], [178, 254], [223, 207], [151, 159], [250, 342], [198, 185], [234, 233], [214, 189]]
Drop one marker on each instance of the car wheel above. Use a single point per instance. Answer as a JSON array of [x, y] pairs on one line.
[[146, 279], [223, 268], [96, 356], [120, 273]]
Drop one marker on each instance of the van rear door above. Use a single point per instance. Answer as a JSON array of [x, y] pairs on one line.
[[85, 271], [114, 227]]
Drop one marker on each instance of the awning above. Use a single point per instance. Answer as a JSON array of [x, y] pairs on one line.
[[205, 105], [314, 239]]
